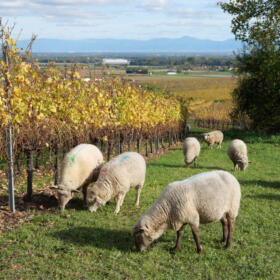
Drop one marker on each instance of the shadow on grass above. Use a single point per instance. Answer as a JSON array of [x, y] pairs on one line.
[[262, 183], [97, 237], [38, 201], [266, 196], [183, 166], [167, 165], [211, 167], [76, 203]]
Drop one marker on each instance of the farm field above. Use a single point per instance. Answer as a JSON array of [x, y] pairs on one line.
[[77, 244], [206, 97]]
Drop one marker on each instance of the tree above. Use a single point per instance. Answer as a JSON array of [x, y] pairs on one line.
[[257, 24]]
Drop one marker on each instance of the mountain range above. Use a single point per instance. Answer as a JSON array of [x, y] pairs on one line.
[[185, 44]]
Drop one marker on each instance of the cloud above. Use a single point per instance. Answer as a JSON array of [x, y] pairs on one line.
[[154, 5], [60, 11], [82, 2]]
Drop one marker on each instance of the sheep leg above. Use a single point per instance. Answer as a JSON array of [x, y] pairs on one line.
[[179, 239], [119, 201], [85, 194], [194, 162], [235, 166], [195, 233], [230, 231], [139, 188], [225, 228]]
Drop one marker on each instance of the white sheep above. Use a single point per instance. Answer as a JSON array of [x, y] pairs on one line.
[[116, 178], [80, 167], [237, 152], [191, 150], [203, 198], [214, 137]]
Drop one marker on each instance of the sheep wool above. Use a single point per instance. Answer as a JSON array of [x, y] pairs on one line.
[[116, 178], [237, 152], [214, 137], [191, 150], [80, 166], [203, 198]]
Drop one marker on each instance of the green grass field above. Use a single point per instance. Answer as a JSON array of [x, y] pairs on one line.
[[77, 244]]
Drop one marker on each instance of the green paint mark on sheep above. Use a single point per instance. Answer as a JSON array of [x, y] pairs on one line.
[[72, 159], [124, 158]]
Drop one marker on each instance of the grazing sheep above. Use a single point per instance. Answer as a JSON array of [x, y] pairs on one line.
[[237, 152], [214, 137], [191, 150], [80, 166], [203, 198], [116, 178]]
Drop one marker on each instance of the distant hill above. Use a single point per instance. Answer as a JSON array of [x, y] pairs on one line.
[[181, 45]]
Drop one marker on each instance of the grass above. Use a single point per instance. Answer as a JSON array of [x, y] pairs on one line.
[[77, 244]]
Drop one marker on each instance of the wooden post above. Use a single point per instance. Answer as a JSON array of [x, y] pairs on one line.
[[157, 143], [146, 148], [139, 140], [38, 159], [130, 141], [102, 146], [109, 150], [121, 140], [151, 146], [56, 164], [162, 143], [18, 163], [29, 155]]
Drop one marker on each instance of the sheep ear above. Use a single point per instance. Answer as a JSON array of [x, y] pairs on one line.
[[55, 187], [136, 229]]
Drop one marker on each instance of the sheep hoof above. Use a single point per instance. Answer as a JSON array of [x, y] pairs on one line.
[[199, 250], [174, 249], [116, 211], [227, 246]]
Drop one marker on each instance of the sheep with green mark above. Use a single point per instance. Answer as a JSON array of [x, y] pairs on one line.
[[80, 167], [117, 177]]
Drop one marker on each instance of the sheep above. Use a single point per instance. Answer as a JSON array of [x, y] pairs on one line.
[[191, 150], [214, 137], [80, 166], [204, 198], [116, 178], [237, 152]]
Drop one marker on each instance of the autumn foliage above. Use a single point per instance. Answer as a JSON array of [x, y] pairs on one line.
[[50, 108]]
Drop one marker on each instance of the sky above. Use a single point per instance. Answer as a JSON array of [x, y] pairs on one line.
[[117, 19]]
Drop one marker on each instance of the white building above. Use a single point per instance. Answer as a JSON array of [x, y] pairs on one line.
[[171, 72], [115, 61]]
